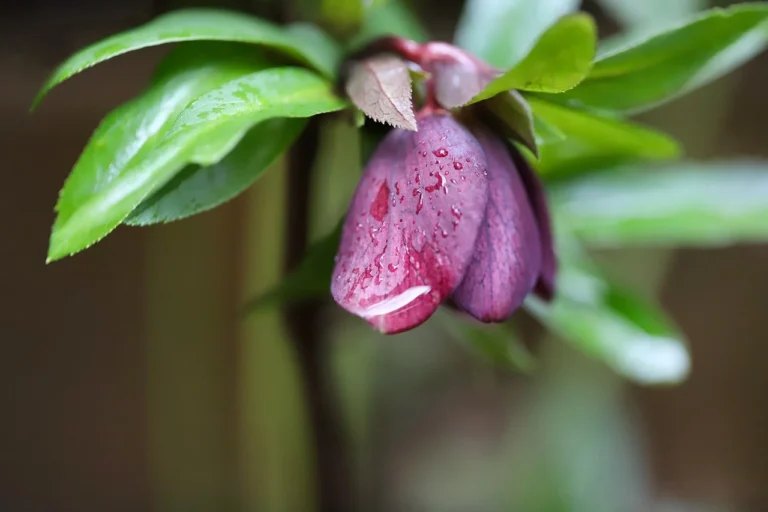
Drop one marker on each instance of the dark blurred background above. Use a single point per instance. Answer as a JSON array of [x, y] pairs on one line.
[[130, 383]]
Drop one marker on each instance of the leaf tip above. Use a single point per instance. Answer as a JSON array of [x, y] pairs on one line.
[[38, 98]]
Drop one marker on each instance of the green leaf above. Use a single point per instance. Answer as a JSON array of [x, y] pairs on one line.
[[392, 17], [560, 60], [305, 44], [127, 135], [503, 32], [98, 197], [276, 92], [687, 203], [197, 189], [632, 336], [649, 13], [311, 280], [513, 118], [546, 133], [495, 343], [673, 62], [592, 141]]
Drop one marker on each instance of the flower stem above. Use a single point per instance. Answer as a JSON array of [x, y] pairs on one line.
[[333, 461]]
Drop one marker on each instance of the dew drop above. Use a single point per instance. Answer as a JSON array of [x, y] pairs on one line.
[[440, 152], [379, 206], [391, 267], [423, 153], [437, 185], [456, 165], [377, 260]]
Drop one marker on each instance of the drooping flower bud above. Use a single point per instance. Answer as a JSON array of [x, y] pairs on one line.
[[440, 213], [507, 259], [410, 231]]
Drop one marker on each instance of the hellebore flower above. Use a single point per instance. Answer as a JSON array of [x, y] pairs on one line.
[[449, 212]]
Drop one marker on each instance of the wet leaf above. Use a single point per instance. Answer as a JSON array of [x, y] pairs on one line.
[[687, 203], [559, 61], [103, 191], [593, 141], [504, 32], [381, 87], [669, 64], [631, 335], [200, 188], [306, 44], [127, 135]]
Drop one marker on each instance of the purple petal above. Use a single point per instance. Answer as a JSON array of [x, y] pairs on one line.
[[545, 286], [411, 228], [507, 258]]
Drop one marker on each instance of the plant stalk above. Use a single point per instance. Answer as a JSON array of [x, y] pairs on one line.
[[333, 461]]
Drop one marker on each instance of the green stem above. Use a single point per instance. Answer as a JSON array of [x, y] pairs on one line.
[[333, 461]]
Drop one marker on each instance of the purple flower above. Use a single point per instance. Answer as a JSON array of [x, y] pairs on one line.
[[449, 212]]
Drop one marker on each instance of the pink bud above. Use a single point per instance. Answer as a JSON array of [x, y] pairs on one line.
[[507, 259], [458, 76], [410, 231]]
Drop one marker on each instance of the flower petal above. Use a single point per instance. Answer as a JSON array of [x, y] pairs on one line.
[[411, 228], [545, 287], [507, 259]]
